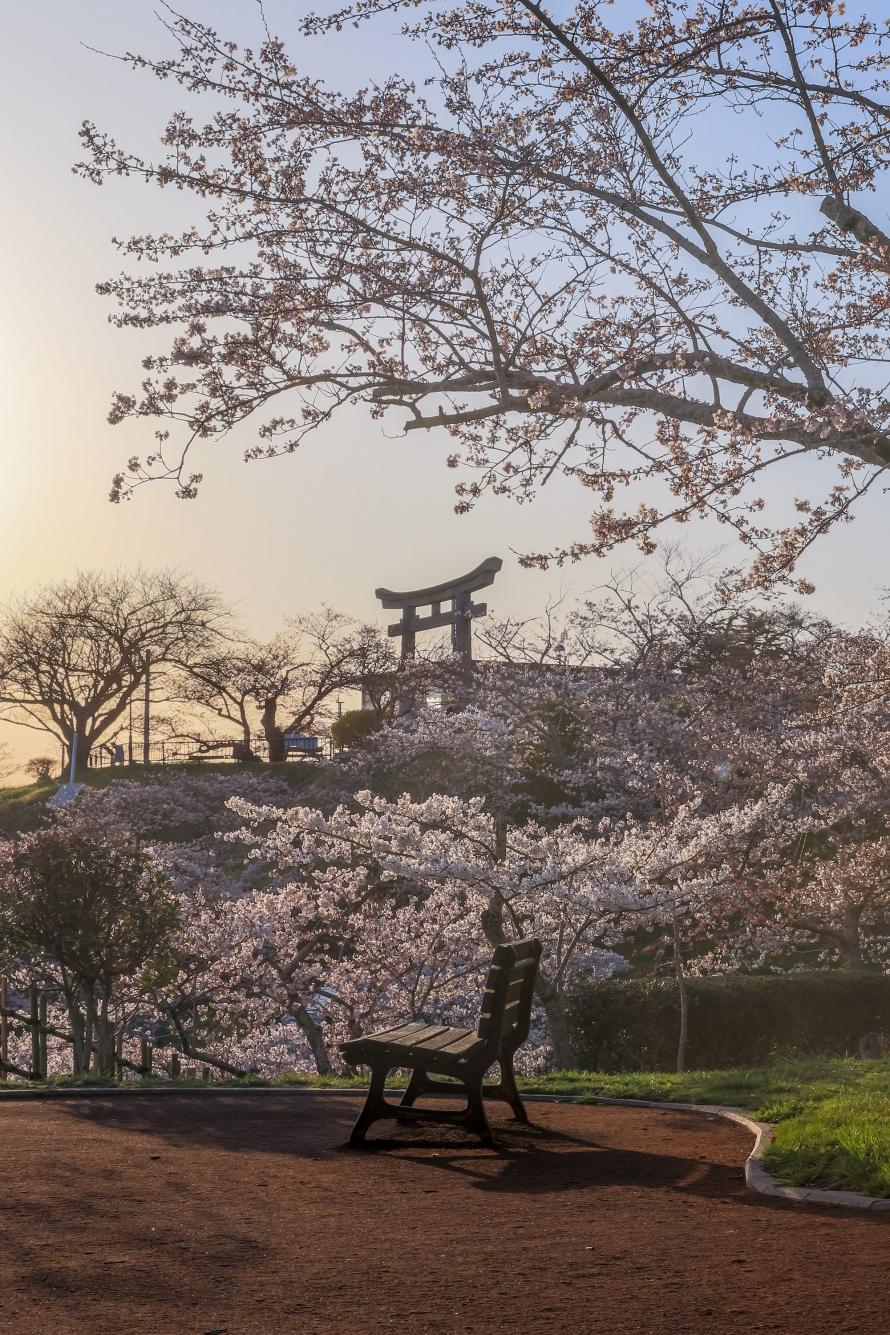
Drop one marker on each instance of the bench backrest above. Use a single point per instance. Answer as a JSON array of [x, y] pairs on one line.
[[507, 999], [295, 741]]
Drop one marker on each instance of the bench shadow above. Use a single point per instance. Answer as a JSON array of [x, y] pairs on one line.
[[533, 1160], [536, 1160], [288, 1125], [528, 1159]]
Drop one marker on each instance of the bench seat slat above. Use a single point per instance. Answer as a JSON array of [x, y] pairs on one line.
[[428, 1034], [439, 1041], [424, 1044], [404, 1037], [445, 1060], [400, 1031], [462, 1045]]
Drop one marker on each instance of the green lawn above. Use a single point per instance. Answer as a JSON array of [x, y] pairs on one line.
[[832, 1117], [24, 807], [293, 772]]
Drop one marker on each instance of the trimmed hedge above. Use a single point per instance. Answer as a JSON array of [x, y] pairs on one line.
[[742, 1020], [353, 728]]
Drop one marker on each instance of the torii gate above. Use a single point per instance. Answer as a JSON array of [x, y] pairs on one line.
[[459, 616]]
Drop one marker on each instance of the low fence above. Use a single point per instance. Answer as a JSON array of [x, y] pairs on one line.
[[33, 1015], [195, 750]]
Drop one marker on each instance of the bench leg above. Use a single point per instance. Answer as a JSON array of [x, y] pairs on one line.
[[374, 1105], [476, 1117], [509, 1092], [417, 1085], [506, 1088]]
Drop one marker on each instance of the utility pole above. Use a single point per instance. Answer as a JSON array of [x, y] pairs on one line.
[[146, 718], [4, 1023]]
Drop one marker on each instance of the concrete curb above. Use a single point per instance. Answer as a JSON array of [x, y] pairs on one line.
[[757, 1178], [167, 1091]]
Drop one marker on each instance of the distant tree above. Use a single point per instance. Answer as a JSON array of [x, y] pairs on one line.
[[85, 915], [41, 768], [74, 654], [287, 683], [648, 255]]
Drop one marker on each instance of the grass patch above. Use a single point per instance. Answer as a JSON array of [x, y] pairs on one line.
[[763, 1089], [23, 807], [843, 1142], [27, 793], [295, 773]]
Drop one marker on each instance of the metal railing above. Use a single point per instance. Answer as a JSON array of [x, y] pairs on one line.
[[195, 750]]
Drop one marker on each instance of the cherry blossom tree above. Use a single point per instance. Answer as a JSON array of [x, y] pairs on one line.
[[827, 896], [647, 257], [437, 863]]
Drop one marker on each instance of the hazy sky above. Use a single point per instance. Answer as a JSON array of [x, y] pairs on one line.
[[353, 508]]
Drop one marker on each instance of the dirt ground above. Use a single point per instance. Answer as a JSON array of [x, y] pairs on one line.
[[234, 1214]]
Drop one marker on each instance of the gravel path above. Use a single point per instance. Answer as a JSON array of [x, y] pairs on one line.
[[237, 1215]]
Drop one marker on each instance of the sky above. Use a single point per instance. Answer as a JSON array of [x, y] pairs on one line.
[[358, 507]]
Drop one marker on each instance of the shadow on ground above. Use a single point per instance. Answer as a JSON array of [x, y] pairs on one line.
[[534, 1159]]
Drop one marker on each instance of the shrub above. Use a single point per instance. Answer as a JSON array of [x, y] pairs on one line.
[[84, 914], [353, 728], [743, 1020]]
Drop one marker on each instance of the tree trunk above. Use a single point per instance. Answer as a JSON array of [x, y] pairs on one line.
[[146, 1054], [553, 1003], [34, 996], [869, 1046], [4, 1023], [89, 1024], [105, 1064], [851, 941], [42, 1017], [314, 1037], [80, 1055], [146, 712], [684, 1000], [273, 734]]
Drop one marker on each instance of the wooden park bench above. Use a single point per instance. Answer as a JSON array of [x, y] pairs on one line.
[[437, 1055]]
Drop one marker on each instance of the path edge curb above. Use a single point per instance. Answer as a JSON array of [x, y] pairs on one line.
[[757, 1177]]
